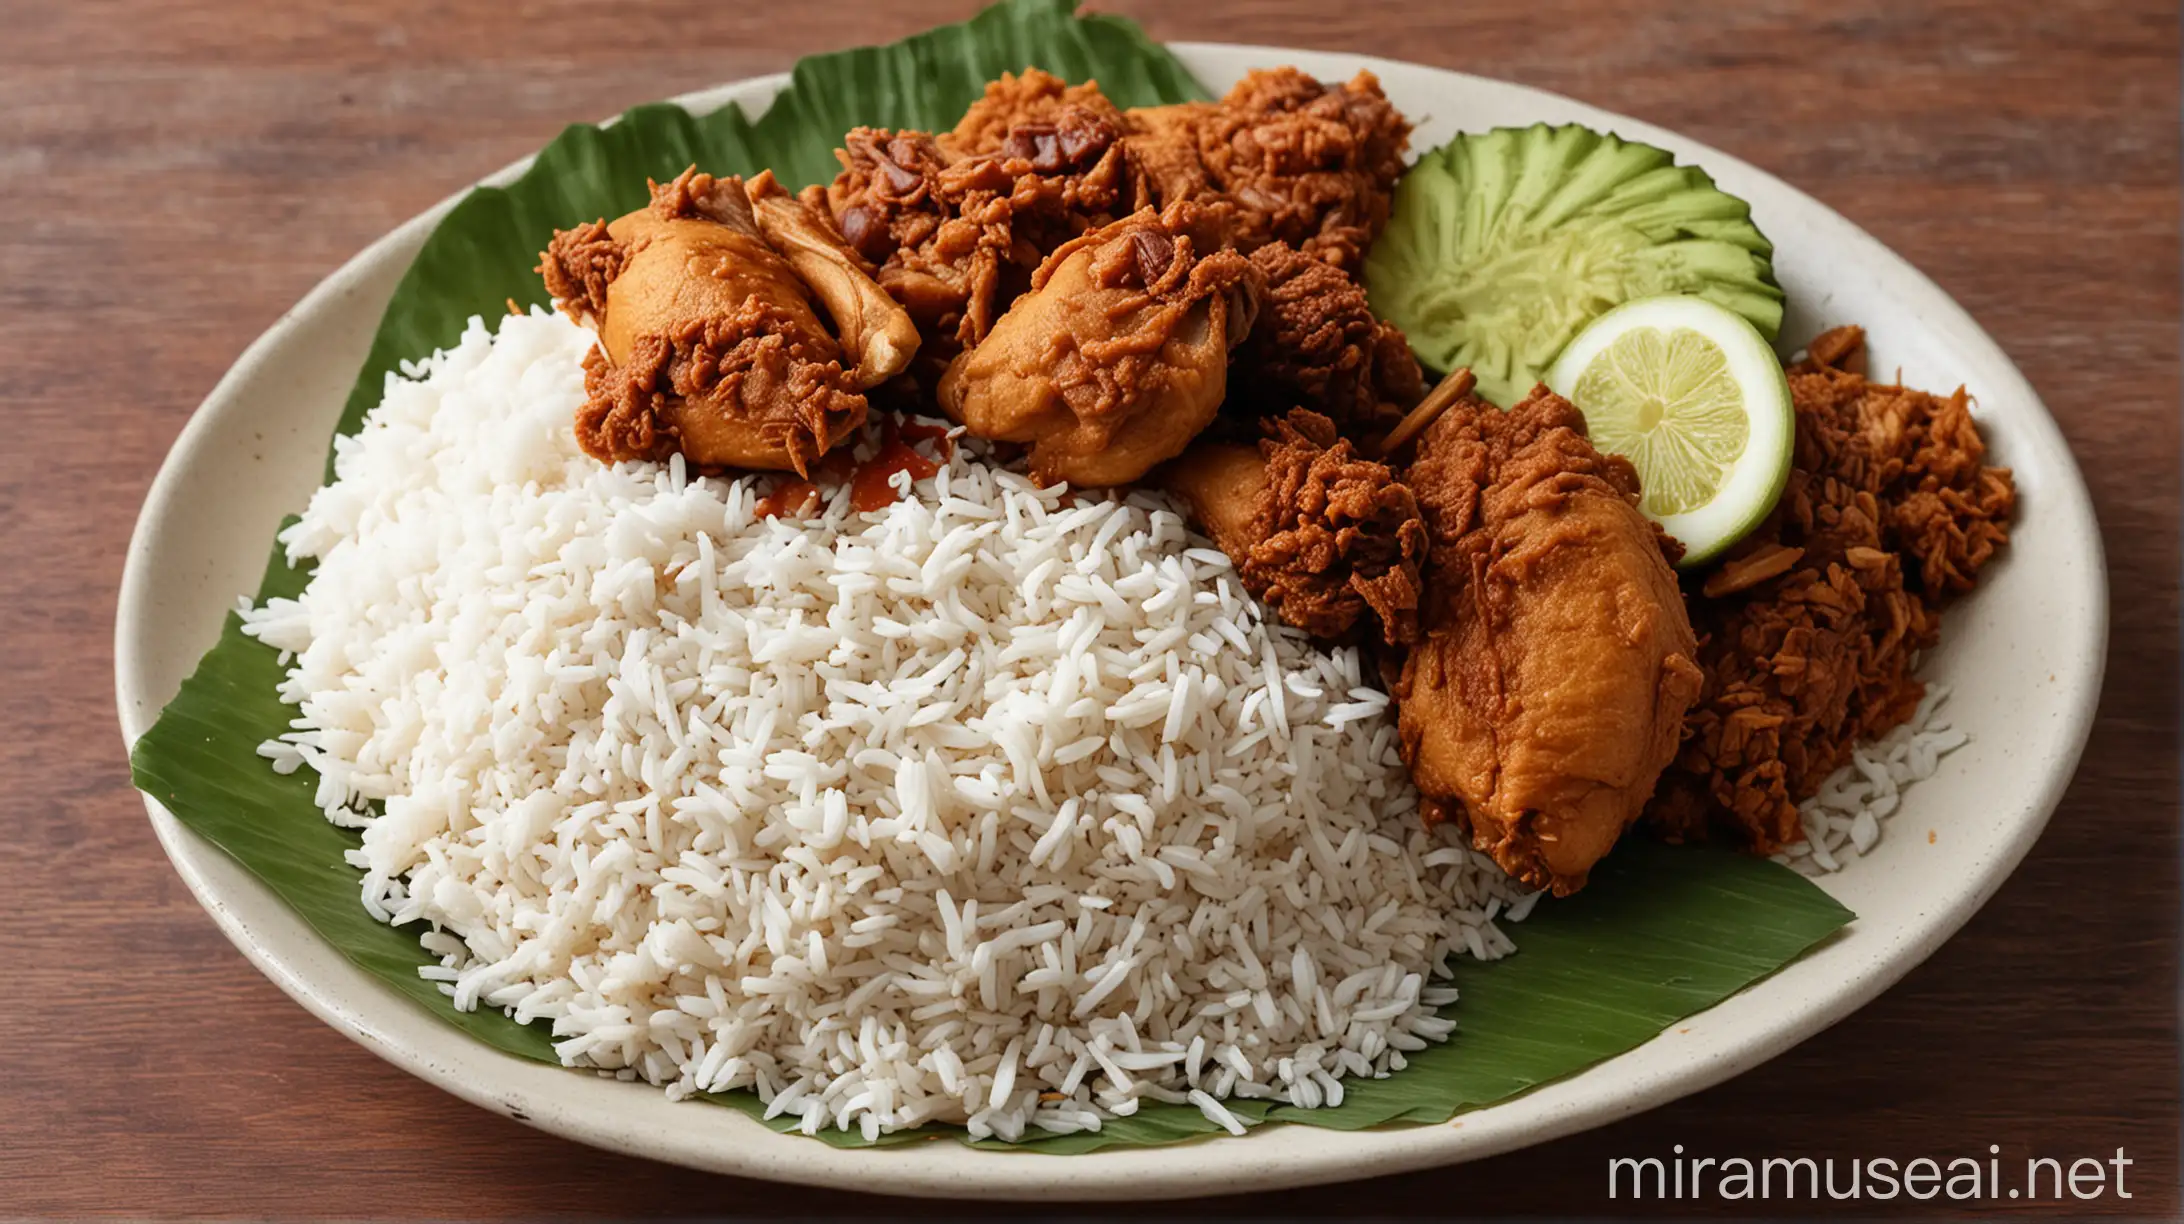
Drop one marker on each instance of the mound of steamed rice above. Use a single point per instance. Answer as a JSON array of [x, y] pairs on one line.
[[995, 806]]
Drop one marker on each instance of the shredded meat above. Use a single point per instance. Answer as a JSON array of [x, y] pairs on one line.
[[579, 264], [1328, 539], [1298, 161], [1023, 109], [1318, 344], [956, 235], [1549, 688], [1813, 623], [1339, 535]]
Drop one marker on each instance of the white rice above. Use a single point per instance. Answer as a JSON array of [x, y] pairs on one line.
[[1844, 818], [995, 806]]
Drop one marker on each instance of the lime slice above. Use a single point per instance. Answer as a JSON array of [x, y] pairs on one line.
[[1694, 397]]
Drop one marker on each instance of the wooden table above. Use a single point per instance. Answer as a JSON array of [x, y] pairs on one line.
[[174, 174]]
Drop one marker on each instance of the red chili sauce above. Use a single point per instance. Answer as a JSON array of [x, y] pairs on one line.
[[873, 487], [792, 497], [871, 482]]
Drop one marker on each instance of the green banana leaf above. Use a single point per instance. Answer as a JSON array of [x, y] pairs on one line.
[[1661, 933]]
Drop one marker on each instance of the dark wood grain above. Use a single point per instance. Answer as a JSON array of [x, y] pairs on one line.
[[173, 175]]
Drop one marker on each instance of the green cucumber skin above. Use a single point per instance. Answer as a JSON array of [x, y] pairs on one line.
[[1504, 244]]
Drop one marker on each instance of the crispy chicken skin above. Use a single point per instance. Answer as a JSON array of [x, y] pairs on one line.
[[1556, 664], [1118, 355], [1328, 539], [956, 234], [1300, 162], [1317, 343], [1163, 145], [887, 204], [875, 332], [708, 344]]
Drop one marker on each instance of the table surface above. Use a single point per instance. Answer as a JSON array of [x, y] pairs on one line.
[[174, 174]]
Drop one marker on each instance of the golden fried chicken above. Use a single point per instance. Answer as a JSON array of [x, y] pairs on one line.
[[1556, 660], [1813, 622], [874, 330], [1118, 355], [887, 204], [1298, 161], [1329, 540], [708, 343], [1318, 344], [956, 235]]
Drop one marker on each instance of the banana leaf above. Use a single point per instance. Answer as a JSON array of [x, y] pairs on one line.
[[1661, 933]]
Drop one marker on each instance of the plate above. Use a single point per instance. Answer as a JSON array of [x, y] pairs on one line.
[[2023, 655]]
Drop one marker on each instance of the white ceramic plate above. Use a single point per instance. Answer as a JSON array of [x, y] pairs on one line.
[[2024, 656]]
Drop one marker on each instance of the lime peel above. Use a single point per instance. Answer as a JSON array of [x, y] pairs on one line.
[[1504, 244], [1694, 397]]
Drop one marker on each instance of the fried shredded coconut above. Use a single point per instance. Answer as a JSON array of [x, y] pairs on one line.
[[579, 264], [696, 196], [1812, 625], [956, 224], [1336, 535], [1021, 109], [956, 235], [1158, 274], [1317, 343], [1297, 161]]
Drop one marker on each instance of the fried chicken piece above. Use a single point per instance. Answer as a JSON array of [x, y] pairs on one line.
[[1299, 162], [1556, 663], [887, 204], [1812, 623], [1329, 540], [708, 344], [1117, 357], [1317, 343], [873, 329], [956, 236]]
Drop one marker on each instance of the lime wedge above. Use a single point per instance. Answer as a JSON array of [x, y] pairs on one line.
[[1694, 397]]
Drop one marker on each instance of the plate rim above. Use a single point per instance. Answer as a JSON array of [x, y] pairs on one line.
[[1260, 1161]]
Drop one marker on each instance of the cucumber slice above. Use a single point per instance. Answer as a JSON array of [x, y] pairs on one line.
[[1694, 397], [1505, 244]]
